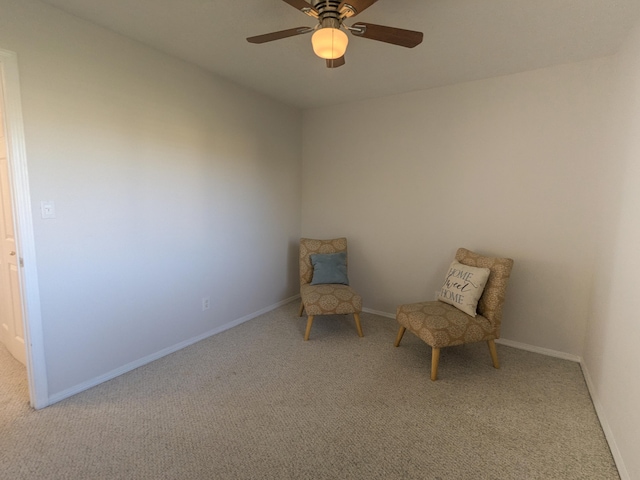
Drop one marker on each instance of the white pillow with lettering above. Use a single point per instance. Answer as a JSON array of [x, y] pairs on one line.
[[463, 287]]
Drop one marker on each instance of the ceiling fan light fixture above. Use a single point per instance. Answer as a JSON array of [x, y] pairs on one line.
[[329, 43]]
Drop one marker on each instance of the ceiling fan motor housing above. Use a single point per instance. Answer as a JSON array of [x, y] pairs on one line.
[[328, 13]]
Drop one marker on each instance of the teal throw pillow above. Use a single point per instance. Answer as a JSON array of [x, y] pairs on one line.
[[329, 268]]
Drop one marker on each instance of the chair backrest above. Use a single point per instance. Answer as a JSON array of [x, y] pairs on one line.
[[492, 299], [309, 246]]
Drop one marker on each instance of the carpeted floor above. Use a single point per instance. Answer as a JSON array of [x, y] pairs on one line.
[[256, 402]]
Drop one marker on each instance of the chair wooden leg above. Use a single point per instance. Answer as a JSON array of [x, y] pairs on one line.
[[301, 309], [356, 317], [494, 353], [308, 331], [399, 337], [435, 358]]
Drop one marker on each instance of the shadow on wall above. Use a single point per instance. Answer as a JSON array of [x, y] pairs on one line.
[[539, 280], [293, 275]]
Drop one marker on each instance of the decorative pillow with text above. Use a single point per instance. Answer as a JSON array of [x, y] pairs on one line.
[[463, 287]]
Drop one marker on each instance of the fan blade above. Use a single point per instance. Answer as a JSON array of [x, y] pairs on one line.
[[335, 63], [355, 7], [395, 36], [270, 37], [303, 6]]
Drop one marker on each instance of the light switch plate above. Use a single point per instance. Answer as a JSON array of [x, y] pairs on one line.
[[48, 209]]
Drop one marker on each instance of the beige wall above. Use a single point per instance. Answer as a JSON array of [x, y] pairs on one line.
[[170, 185], [542, 167], [610, 356], [508, 166]]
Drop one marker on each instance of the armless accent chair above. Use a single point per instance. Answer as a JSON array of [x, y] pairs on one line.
[[325, 298], [442, 325]]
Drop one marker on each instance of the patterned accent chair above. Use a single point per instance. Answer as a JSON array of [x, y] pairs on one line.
[[442, 325], [327, 299]]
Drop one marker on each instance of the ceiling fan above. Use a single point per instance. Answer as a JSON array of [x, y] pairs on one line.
[[329, 41]]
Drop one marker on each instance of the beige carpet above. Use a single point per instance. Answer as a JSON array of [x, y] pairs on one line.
[[256, 402]]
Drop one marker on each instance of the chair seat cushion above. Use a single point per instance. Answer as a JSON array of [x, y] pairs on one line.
[[443, 325], [330, 299]]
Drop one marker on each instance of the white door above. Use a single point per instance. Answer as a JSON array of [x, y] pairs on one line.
[[11, 327]]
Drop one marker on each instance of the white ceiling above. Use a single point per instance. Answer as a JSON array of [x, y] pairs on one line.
[[463, 40]]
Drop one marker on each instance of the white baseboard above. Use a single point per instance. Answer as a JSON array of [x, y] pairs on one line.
[[377, 312], [541, 350], [164, 352], [608, 433], [503, 341]]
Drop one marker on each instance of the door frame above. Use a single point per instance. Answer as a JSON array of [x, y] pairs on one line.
[[23, 220]]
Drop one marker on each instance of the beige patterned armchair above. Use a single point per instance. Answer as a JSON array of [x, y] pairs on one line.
[[442, 325], [325, 299]]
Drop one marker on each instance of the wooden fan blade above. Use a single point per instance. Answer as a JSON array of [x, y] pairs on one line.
[[395, 36], [356, 5], [336, 62], [270, 37], [303, 6]]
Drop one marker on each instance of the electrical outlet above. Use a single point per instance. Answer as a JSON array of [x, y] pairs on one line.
[[206, 303]]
